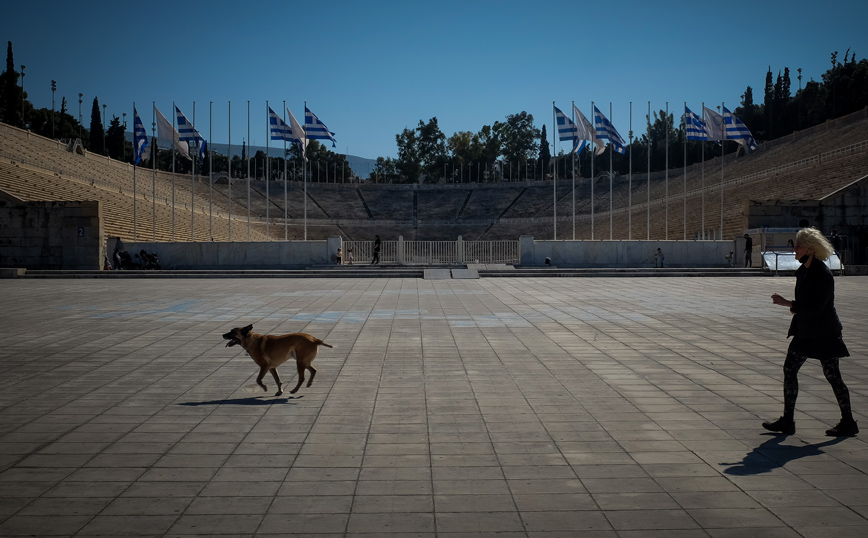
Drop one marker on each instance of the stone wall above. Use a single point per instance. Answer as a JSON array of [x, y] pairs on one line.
[[611, 254], [239, 255], [51, 235]]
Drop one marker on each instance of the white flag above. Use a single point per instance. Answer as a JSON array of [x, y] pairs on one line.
[[587, 133], [167, 132], [297, 135], [715, 125]]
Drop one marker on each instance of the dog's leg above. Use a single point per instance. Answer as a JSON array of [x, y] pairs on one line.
[[312, 374], [300, 379], [259, 382], [277, 380]]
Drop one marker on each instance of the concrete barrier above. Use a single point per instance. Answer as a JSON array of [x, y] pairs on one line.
[[624, 253]]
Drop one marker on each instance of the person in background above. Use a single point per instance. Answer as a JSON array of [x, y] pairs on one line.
[[376, 258], [658, 258], [350, 255], [748, 251], [339, 256], [816, 332]]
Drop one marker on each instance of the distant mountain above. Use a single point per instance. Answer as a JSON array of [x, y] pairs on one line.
[[360, 165]]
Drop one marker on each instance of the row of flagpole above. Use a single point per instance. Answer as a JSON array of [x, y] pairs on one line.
[[186, 134], [713, 126]]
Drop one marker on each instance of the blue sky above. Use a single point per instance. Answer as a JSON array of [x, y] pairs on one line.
[[370, 69]]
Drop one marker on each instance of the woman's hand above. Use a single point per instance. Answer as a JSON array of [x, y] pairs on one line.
[[777, 299]]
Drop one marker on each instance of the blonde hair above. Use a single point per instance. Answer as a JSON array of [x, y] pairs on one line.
[[812, 238]]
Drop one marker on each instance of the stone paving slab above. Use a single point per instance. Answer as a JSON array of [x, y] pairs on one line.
[[509, 407]]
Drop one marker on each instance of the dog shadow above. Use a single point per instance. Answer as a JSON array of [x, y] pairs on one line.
[[252, 400], [772, 454]]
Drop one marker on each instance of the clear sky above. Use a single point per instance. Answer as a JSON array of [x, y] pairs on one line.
[[369, 69]]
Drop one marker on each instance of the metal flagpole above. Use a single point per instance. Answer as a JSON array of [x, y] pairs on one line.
[[304, 175], [267, 178], [173, 169], [630, 180], [611, 183], [702, 144], [285, 207], [684, 190], [229, 168], [573, 113], [135, 197], [210, 174], [648, 179], [593, 152], [193, 182], [248, 170], [666, 194], [554, 174], [721, 169], [154, 166]]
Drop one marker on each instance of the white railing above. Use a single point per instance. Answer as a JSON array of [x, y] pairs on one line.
[[458, 252]]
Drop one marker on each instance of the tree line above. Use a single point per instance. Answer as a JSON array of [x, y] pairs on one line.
[[505, 150]]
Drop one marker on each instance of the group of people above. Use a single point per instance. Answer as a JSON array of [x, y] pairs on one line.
[[374, 261]]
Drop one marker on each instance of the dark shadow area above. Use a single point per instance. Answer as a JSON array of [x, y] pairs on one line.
[[253, 400], [772, 455]]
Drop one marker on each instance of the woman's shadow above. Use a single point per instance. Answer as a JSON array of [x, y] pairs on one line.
[[771, 455]]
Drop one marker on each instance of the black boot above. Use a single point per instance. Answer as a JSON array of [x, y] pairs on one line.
[[845, 428], [781, 425]]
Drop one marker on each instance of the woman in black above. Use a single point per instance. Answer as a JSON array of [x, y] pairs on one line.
[[816, 332], [376, 258]]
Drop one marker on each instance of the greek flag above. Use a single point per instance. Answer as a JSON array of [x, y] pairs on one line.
[[606, 131], [586, 133], [566, 129], [188, 133], [315, 129], [296, 133], [140, 136], [738, 131], [695, 126], [279, 130]]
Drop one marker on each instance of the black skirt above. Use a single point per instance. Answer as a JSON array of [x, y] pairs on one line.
[[824, 347]]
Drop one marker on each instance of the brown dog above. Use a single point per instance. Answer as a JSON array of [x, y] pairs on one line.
[[269, 352]]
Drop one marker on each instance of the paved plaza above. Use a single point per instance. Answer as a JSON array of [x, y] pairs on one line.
[[509, 407]]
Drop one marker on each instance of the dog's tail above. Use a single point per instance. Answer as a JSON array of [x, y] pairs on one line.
[[319, 342]]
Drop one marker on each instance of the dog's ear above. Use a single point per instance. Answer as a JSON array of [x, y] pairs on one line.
[[245, 330]]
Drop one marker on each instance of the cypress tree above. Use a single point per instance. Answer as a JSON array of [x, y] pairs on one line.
[[545, 155], [10, 92], [96, 144]]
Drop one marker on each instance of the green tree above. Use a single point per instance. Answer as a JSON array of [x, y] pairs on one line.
[[431, 147], [519, 137], [115, 139], [545, 155], [10, 92], [96, 131], [409, 163]]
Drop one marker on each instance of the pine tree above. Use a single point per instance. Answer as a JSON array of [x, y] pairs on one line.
[[97, 140], [10, 92]]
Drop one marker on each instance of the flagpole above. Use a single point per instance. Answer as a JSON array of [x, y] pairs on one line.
[[285, 206], [304, 174], [193, 183], [684, 190], [173, 169], [611, 183], [248, 170], [666, 195], [630, 180], [554, 174], [702, 144], [592, 170], [648, 179], [265, 168], [722, 156], [210, 173], [154, 166], [573, 113], [229, 167], [135, 199]]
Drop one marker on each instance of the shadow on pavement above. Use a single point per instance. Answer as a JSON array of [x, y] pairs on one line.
[[772, 455], [254, 400]]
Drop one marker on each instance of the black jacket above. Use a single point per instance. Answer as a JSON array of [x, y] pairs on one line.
[[814, 305]]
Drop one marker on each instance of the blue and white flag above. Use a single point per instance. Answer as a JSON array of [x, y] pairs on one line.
[[315, 129], [566, 129], [606, 131], [714, 125], [738, 131], [586, 133], [695, 127], [296, 134], [279, 130], [188, 132], [140, 136]]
